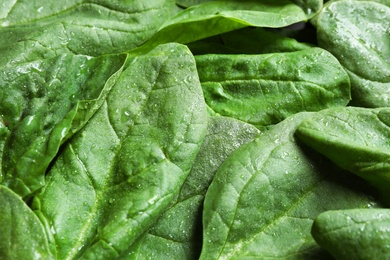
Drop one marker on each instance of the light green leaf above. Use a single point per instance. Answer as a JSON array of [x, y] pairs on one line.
[[356, 139], [120, 172], [309, 6], [22, 234], [44, 103], [358, 34], [265, 89], [354, 234], [177, 234], [264, 197], [218, 17]]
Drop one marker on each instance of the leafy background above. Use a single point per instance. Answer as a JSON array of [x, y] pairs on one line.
[[194, 129]]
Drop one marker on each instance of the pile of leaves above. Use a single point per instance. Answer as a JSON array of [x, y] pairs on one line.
[[137, 129]]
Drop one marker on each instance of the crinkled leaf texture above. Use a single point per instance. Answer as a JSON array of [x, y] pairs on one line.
[[22, 234], [120, 172], [265, 196], [358, 34], [44, 103], [355, 233], [178, 232], [265, 89], [356, 139]]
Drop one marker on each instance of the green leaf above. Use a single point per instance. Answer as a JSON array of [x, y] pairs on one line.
[[264, 197], [355, 32], [265, 89], [177, 234], [355, 233], [44, 103], [309, 6], [120, 172], [22, 234], [38, 29], [218, 17], [356, 139]]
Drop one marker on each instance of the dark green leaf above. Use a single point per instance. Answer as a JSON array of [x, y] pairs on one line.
[[121, 171], [357, 34], [22, 234], [357, 139], [247, 40], [218, 17], [264, 197], [265, 89], [354, 234], [44, 103], [47, 28], [177, 234]]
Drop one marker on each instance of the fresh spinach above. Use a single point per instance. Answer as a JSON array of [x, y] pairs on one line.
[[44, 103], [179, 228], [117, 141], [265, 89], [127, 164], [354, 233], [357, 139], [355, 32], [266, 187], [23, 234], [216, 17]]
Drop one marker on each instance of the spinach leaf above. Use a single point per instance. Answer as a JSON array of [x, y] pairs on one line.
[[354, 233], [78, 26], [216, 17], [177, 233], [265, 89], [120, 172], [309, 6], [264, 197], [356, 139], [44, 103], [22, 234], [355, 32]]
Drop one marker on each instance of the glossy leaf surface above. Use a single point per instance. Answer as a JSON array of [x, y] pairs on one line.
[[265, 89], [355, 32], [218, 17], [354, 233], [357, 139], [78, 26], [265, 196], [179, 228], [20, 226], [44, 103], [118, 174], [309, 6]]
